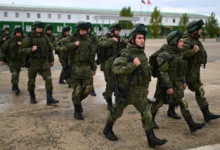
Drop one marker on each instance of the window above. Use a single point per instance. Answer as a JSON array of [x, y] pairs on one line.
[[16, 14], [28, 15], [69, 16], [174, 20], [59, 28], [38, 15], [16, 26], [59, 16], [49, 16], [5, 14], [87, 17], [28, 28]]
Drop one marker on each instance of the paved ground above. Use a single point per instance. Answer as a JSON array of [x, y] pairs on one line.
[[24, 126]]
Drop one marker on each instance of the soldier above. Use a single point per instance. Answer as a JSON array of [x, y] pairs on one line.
[[63, 57], [49, 33], [110, 46], [40, 51], [196, 55], [10, 51], [133, 74], [171, 79], [5, 35], [82, 64], [94, 40]]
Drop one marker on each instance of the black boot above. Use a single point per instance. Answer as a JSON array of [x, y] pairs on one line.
[[16, 89], [50, 99], [62, 82], [208, 115], [109, 134], [33, 98], [110, 105], [171, 112], [93, 92], [194, 126], [153, 141], [78, 112], [13, 87]]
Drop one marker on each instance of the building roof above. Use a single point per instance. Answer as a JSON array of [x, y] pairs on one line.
[[86, 10]]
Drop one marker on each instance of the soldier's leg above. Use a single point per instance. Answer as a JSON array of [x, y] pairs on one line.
[[14, 77], [62, 75], [108, 94], [46, 74], [186, 115], [113, 115], [32, 73], [143, 107], [154, 109], [93, 93]]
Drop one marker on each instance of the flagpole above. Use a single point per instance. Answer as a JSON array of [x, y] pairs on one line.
[[147, 13], [141, 12]]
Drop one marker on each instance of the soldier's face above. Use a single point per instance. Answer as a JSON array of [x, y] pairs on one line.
[[6, 31], [200, 32], [49, 31], [89, 30], [180, 43], [139, 40], [83, 32], [67, 33], [18, 34], [39, 29], [116, 32]]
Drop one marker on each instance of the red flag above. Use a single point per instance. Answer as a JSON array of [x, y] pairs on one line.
[[143, 1], [148, 2]]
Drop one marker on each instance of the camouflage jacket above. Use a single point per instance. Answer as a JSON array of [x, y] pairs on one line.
[[10, 50], [44, 50], [81, 58], [4, 38], [123, 67], [51, 37]]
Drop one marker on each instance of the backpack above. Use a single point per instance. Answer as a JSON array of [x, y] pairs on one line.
[[153, 63]]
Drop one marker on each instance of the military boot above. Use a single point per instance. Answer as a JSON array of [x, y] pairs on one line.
[[93, 93], [50, 99], [78, 112], [153, 141], [17, 90], [208, 115], [192, 125], [110, 105], [13, 87], [109, 134], [171, 112], [33, 98]]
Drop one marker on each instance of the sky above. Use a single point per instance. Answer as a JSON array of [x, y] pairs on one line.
[[204, 7]]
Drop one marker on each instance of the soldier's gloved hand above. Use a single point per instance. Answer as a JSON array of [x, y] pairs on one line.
[[93, 73], [196, 48], [137, 62], [115, 39], [2, 63], [169, 91], [34, 48], [77, 43], [19, 43], [4, 39], [51, 64], [184, 86]]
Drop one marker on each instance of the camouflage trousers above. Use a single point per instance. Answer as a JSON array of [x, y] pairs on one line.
[[109, 89], [138, 98], [15, 68], [62, 76], [43, 68], [81, 89]]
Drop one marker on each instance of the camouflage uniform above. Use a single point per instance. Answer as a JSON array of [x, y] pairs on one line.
[[82, 62], [4, 37], [172, 75], [109, 51], [195, 60], [132, 86], [39, 61], [9, 51], [51, 37]]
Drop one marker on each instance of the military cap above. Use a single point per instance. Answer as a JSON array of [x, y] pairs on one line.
[[49, 27], [137, 30], [18, 29], [194, 26], [6, 29], [89, 25], [65, 29], [38, 24], [115, 26], [174, 37], [81, 25]]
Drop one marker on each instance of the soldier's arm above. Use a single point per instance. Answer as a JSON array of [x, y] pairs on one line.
[[50, 51], [122, 65], [26, 46], [188, 50], [105, 42], [163, 70], [93, 63], [3, 51]]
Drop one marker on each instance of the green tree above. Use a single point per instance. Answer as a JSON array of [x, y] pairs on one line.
[[184, 20], [126, 12], [211, 25], [155, 22]]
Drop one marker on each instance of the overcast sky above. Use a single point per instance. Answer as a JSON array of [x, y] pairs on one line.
[[204, 7]]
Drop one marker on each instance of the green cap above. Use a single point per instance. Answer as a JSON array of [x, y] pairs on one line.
[[173, 37], [194, 26], [115, 26]]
